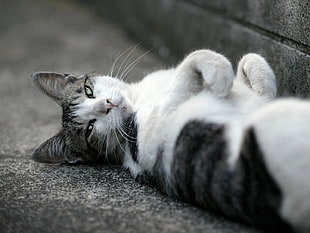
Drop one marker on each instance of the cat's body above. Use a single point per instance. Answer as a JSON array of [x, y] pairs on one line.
[[194, 132]]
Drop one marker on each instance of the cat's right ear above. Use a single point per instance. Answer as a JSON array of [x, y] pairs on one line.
[[55, 150], [53, 84]]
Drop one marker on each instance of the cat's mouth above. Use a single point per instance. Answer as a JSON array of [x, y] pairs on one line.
[[110, 105], [109, 108], [104, 106]]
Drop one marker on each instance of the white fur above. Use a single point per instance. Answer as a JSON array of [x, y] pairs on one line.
[[253, 70], [203, 87], [106, 88], [283, 133], [166, 100]]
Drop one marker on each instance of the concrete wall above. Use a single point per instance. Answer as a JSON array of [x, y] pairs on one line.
[[277, 29]]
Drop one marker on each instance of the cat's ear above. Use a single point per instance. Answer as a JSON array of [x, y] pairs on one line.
[[53, 84], [55, 150]]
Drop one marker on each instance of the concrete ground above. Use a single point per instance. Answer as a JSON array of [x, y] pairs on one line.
[[61, 36]]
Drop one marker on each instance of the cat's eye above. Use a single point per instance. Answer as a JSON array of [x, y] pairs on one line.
[[87, 89], [89, 128], [89, 92]]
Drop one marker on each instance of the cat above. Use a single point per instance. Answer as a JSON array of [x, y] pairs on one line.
[[197, 132]]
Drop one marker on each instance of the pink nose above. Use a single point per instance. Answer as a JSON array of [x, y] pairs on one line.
[[104, 106]]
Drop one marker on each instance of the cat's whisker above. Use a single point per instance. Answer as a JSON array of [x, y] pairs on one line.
[[119, 55], [103, 145], [133, 64], [120, 134], [125, 60], [128, 77], [107, 146], [111, 70], [125, 127], [116, 158], [119, 142], [125, 136], [129, 68]]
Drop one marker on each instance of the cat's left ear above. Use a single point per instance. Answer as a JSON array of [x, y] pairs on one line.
[[53, 84]]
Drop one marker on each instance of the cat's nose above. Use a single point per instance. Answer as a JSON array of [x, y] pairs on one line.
[[104, 106]]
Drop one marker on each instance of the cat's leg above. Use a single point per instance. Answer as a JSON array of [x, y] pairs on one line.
[[204, 69], [256, 73], [268, 184], [282, 132]]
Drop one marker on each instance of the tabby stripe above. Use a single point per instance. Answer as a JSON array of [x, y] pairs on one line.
[[156, 177], [132, 131], [202, 176], [263, 197], [198, 149]]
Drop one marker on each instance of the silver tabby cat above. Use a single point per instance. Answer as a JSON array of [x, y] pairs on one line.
[[197, 132]]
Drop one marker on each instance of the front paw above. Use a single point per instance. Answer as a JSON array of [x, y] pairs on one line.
[[215, 70], [256, 73]]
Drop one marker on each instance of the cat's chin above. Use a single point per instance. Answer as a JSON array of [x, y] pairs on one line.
[[118, 116], [126, 108]]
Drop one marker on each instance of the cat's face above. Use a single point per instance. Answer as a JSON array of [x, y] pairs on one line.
[[95, 112]]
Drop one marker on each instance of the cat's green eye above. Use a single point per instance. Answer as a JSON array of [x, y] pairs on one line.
[[89, 92], [89, 128]]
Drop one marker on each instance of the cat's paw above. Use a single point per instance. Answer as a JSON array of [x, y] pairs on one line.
[[205, 69], [256, 73], [215, 69]]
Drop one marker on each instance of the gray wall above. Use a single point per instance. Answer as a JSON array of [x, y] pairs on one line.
[[277, 29]]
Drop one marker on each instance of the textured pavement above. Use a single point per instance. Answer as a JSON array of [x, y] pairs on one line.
[[64, 37]]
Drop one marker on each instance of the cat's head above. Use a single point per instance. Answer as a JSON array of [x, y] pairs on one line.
[[95, 110]]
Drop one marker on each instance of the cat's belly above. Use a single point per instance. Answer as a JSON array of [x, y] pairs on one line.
[[159, 126]]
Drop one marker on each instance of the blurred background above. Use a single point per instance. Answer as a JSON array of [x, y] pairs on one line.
[[278, 30], [75, 36]]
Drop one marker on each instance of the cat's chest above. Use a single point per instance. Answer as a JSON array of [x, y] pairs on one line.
[[151, 90]]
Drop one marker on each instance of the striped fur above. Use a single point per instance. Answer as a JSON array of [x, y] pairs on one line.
[[201, 176], [195, 132]]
